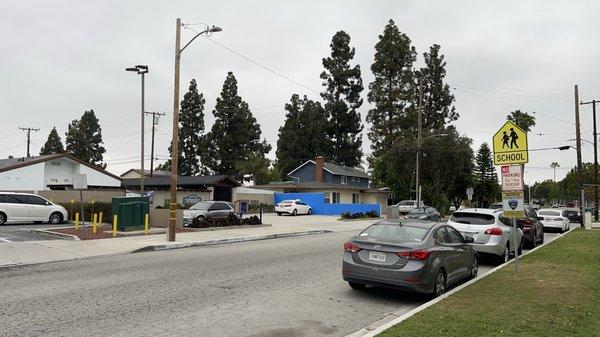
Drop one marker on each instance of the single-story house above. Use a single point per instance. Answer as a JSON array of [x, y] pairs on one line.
[[339, 184], [137, 173]]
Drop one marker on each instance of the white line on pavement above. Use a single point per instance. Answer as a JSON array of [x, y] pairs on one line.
[[5, 240]]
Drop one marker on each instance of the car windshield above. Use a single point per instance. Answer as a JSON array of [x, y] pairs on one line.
[[406, 203], [419, 210], [395, 233], [472, 218], [551, 213], [202, 205]]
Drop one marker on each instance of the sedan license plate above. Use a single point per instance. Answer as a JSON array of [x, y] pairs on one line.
[[377, 256]]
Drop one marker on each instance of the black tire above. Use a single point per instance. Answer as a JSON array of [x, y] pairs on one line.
[[295, 212], [439, 285], [2, 218], [504, 257], [201, 218], [542, 238], [474, 267], [279, 213], [309, 211], [357, 286], [55, 218]]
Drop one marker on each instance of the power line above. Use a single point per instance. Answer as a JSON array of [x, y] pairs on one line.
[[28, 137], [507, 88], [512, 94]]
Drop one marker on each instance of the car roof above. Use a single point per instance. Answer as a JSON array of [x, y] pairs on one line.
[[550, 209], [409, 222], [479, 210], [20, 193]]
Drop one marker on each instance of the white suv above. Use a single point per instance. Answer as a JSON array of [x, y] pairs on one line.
[[25, 207]]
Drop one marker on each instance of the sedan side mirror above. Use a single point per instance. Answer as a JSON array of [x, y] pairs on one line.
[[468, 239]]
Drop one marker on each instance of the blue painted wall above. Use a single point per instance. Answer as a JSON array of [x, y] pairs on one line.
[[317, 202]]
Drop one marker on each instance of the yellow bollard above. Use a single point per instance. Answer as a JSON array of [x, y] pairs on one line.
[[95, 223], [72, 202], [114, 226], [146, 223], [100, 220], [76, 221]]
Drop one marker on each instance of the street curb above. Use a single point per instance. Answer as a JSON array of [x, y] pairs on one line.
[[55, 234], [179, 245], [389, 321]]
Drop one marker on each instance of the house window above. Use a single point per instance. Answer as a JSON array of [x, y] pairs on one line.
[[344, 180], [336, 198], [327, 197], [355, 198], [357, 179], [55, 163]]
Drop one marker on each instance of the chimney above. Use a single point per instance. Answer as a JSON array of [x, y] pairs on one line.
[[320, 162]]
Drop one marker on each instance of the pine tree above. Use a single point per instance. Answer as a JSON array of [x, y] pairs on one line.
[[391, 92], [343, 85], [53, 144], [437, 98], [303, 135], [192, 150], [486, 179], [235, 135], [84, 139]]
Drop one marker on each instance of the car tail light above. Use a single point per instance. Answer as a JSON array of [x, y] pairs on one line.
[[348, 247], [415, 254], [527, 222], [494, 231]]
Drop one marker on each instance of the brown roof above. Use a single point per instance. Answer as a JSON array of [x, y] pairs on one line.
[[316, 185], [15, 163]]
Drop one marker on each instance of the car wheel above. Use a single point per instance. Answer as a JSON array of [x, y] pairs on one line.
[[542, 238], [201, 218], [295, 212], [357, 286], [474, 267], [504, 257], [439, 287], [309, 211], [279, 213], [55, 218], [2, 218]]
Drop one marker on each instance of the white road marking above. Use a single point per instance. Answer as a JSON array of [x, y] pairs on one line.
[[5, 240]]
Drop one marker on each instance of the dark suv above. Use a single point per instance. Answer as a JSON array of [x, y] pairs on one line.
[[573, 214], [532, 227]]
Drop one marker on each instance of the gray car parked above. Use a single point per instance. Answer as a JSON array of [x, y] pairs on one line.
[[418, 256], [207, 210]]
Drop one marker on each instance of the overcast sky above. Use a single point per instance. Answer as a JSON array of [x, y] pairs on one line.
[[60, 58]]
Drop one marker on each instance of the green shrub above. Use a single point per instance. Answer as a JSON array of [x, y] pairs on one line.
[[255, 208], [89, 210]]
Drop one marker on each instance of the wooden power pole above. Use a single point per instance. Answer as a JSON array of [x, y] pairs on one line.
[[175, 141], [155, 116], [29, 137], [578, 139]]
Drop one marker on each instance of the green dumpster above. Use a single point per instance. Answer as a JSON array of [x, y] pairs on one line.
[[131, 212]]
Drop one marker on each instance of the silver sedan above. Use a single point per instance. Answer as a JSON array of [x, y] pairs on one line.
[[418, 256]]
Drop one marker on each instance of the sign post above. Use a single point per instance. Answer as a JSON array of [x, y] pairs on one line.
[[510, 150], [80, 183]]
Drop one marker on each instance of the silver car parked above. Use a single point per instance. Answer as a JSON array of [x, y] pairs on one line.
[[418, 256], [491, 235], [207, 210]]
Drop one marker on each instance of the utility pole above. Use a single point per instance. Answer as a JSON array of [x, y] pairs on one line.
[[141, 70], [419, 140], [593, 103], [578, 138], [155, 116], [29, 137], [175, 140]]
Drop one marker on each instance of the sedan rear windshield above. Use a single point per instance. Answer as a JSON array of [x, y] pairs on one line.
[[473, 218], [396, 233], [551, 213]]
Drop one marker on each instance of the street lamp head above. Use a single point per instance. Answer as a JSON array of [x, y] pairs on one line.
[[131, 69], [563, 148], [142, 67], [215, 29]]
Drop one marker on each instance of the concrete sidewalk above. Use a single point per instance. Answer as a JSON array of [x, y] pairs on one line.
[[32, 252]]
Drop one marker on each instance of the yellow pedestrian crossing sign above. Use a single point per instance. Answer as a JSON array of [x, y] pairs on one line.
[[510, 145]]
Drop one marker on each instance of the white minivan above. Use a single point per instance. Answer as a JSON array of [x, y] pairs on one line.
[[25, 207]]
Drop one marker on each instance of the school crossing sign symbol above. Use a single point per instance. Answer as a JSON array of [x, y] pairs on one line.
[[510, 145]]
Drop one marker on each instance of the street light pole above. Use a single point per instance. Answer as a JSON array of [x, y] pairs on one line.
[[419, 140], [141, 70], [593, 103], [175, 140]]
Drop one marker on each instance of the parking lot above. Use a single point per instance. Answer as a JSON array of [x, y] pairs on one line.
[[23, 232]]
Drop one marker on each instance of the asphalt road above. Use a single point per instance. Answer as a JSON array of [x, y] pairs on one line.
[[21, 232], [282, 287]]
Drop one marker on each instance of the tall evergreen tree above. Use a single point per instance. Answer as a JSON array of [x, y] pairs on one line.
[[392, 90], [235, 135], [84, 139], [486, 189], [437, 98], [192, 150], [523, 120], [53, 144], [303, 135], [343, 85]]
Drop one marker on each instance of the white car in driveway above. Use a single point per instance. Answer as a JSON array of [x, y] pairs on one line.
[[405, 206], [490, 234], [293, 207], [554, 218], [26, 207]]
